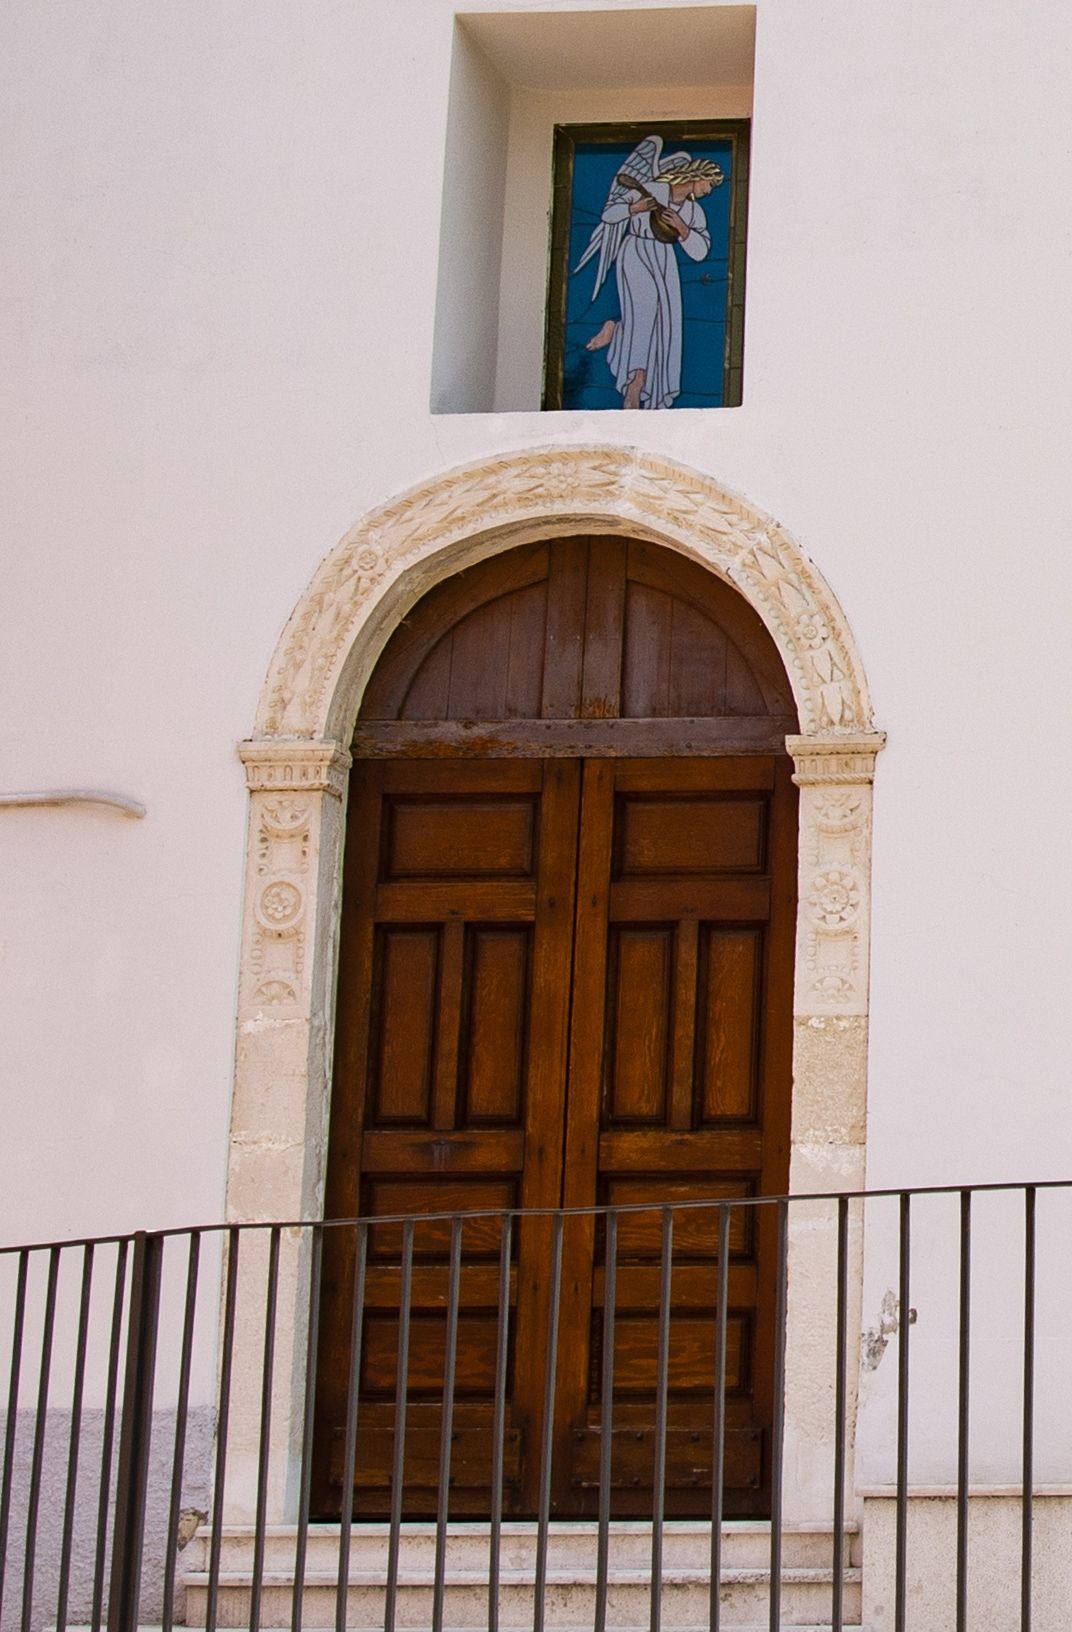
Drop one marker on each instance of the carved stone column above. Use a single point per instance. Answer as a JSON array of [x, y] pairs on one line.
[[835, 777], [279, 1114]]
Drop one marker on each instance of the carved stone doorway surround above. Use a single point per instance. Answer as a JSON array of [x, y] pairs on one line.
[[296, 767]]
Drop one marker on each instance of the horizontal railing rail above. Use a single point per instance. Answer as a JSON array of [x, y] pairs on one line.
[[797, 1198], [187, 1409]]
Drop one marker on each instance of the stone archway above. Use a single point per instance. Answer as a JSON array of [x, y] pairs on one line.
[[296, 767]]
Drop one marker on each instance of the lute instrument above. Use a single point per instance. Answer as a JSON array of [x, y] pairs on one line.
[[661, 228]]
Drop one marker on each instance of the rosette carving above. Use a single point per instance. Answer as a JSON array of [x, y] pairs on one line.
[[280, 906], [287, 785], [834, 776], [834, 898]]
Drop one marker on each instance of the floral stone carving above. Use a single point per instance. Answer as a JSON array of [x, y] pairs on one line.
[[528, 494]]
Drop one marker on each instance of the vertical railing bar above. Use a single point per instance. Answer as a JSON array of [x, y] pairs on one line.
[[658, 1502], [547, 1435], [182, 1406], [135, 1434], [606, 1416], [398, 1472], [108, 1436], [447, 1424], [301, 1539], [1027, 1492], [353, 1390], [74, 1444], [837, 1607], [900, 1603], [34, 1498], [10, 1425], [963, 1409], [267, 1369], [778, 1424], [498, 1433], [718, 1426], [222, 1419]]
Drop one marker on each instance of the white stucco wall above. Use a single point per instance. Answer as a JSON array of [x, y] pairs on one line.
[[217, 339]]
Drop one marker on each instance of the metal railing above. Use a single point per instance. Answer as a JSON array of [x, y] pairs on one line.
[[164, 1383]]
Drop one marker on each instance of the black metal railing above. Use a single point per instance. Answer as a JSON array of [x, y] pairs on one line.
[[165, 1384]]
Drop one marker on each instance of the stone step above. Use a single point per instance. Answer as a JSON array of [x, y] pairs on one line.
[[569, 1602], [745, 1545]]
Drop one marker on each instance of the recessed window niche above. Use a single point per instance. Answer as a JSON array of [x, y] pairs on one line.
[[515, 76]]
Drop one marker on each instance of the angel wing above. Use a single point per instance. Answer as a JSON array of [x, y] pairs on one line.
[[644, 163]]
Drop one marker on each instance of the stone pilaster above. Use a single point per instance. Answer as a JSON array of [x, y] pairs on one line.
[[835, 777], [279, 1113]]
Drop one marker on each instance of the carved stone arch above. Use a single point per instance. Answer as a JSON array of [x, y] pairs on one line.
[[405, 546], [296, 767]]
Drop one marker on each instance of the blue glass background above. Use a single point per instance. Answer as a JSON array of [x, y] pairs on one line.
[[587, 382]]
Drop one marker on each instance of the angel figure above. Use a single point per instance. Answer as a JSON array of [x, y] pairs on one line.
[[652, 207]]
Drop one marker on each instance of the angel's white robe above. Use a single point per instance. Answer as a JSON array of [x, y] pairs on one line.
[[649, 334]]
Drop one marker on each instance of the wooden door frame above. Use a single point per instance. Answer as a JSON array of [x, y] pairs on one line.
[[296, 769]]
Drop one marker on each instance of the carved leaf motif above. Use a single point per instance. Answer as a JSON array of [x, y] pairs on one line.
[[285, 816], [275, 991], [595, 484]]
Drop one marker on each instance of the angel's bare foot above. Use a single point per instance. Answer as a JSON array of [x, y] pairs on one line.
[[633, 389], [604, 337]]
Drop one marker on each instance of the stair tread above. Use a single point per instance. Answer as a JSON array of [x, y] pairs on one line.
[[671, 1575], [527, 1527]]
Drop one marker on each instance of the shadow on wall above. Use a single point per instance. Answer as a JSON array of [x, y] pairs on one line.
[[84, 1544]]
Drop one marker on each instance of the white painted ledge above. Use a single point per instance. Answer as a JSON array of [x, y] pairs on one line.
[[51, 797]]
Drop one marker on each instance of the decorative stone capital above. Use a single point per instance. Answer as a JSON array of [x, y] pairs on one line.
[[297, 767], [834, 775], [836, 760]]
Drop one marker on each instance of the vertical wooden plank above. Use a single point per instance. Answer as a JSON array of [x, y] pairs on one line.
[[545, 1097], [584, 1107], [343, 1188], [776, 1071], [646, 659], [604, 625], [528, 638], [448, 1026], [743, 694], [479, 662], [698, 648], [564, 649], [360, 869], [683, 1067], [776, 1061], [428, 694], [589, 982]]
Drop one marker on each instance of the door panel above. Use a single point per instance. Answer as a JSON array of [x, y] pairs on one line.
[[453, 1015], [679, 1050], [564, 981]]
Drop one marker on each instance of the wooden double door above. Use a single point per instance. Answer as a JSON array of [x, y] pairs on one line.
[[565, 982]]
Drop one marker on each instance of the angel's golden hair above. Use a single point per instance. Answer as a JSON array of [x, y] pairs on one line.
[[691, 170]]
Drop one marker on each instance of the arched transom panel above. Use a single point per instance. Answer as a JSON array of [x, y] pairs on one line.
[[590, 629]]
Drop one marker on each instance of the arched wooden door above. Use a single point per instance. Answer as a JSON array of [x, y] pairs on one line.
[[565, 979]]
